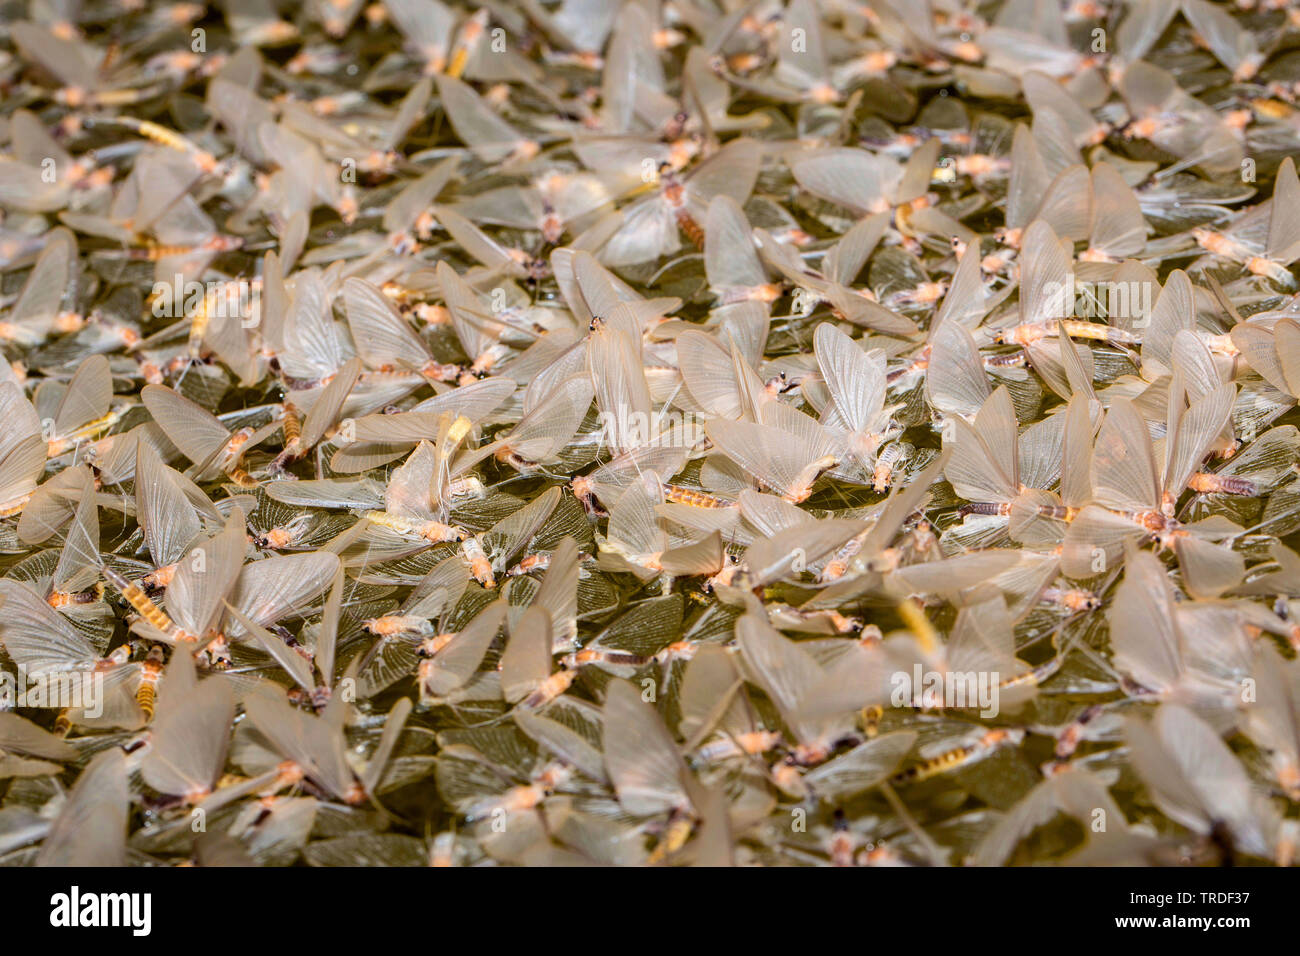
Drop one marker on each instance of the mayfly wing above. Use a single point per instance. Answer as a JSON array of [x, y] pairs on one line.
[[1196, 780], [1188, 441], [526, 661], [22, 448], [78, 566], [269, 589], [641, 757], [983, 466], [1232, 45], [730, 259], [1123, 463], [622, 395], [394, 724], [1119, 230], [784, 460], [790, 551], [454, 665], [193, 429], [855, 379], [785, 671], [965, 302], [39, 638], [64, 58], [490, 137], [478, 244], [324, 412], [418, 195], [91, 828], [1283, 226], [513, 533], [477, 328], [1144, 630], [544, 431], [956, 383], [383, 338], [89, 392], [190, 731], [49, 281], [290, 661], [862, 768], [167, 519], [439, 590], [708, 689], [204, 576], [566, 743], [855, 178], [558, 592], [308, 741]]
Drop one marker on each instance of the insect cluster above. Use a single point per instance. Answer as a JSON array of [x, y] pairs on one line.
[[663, 431]]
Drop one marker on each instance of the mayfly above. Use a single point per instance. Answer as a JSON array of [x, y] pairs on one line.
[[978, 745], [1006, 473], [419, 628], [786, 450], [172, 513], [1280, 248], [384, 341], [449, 660], [46, 644], [549, 423], [645, 766], [1133, 497], [314, 744], [315, 677], [300, 437], [1197, 781], [187, 750], [414, 505], [23, 449], [857, 384], [202, 438], [79, 411], [44, 307], [649, 227], [70, 61]]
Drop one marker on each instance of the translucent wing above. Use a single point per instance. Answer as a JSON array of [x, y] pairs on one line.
[[91, 828], [167, 519], [1123, 463], [1142, 627], [190, 731], [189, 426], [455, 664], [383, 338], [37, 637], [526, 662], [205, 576], [642, 760], [310, 742], [269, 589], [862, 768]]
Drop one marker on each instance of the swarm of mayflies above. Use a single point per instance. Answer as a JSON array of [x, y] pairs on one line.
[[701, 432]]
